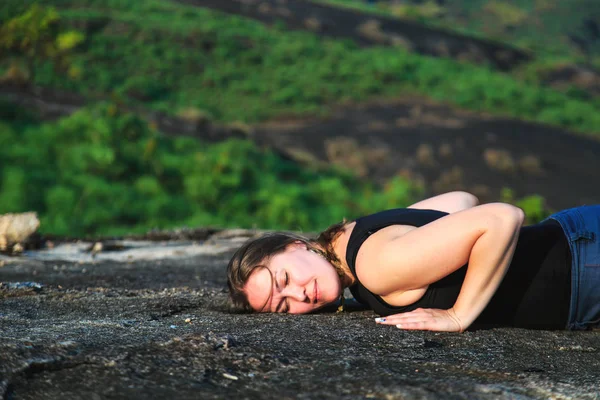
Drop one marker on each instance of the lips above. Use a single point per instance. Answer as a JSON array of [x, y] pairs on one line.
[[315, 293]]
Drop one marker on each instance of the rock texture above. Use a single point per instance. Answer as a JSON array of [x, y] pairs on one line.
[[582, 77], [445, 149], [146, 319], [17, 228], [372, 30]]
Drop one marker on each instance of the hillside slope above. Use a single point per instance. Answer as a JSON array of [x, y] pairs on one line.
[[378, 112]]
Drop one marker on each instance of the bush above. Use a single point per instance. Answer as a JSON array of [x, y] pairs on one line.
[[38, 35], [101, 171], [174, 56], [534, 206]]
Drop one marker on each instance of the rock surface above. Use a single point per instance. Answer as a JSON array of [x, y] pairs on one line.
[[129, 323], [16, 228], [445, 149], [369, 29]]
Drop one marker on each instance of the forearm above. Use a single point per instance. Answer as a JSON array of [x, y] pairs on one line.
[[488, 262], [448, 202]]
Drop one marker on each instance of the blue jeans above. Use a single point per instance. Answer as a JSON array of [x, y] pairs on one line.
[[582, 229]]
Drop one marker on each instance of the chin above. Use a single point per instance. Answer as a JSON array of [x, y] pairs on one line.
[[328, 307]]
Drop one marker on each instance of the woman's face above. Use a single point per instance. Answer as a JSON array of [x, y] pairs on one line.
[[296, 281]]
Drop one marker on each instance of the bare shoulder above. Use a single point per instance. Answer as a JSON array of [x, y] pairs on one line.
[[400, 259], [368, 270], [373, 242]]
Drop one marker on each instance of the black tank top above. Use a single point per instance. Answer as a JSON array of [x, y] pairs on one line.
[[535, 292]]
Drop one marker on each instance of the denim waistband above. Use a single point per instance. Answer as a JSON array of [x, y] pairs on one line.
[[581, 226]]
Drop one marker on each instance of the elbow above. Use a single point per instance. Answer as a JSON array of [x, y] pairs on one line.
[[467, 199], [521, 216], [517, 215], [510, 215], [470, 199]]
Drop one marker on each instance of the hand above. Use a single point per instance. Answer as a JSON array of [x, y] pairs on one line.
[[425, 319]]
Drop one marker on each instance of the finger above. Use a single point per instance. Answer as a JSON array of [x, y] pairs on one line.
[[417, 325], [405, 319], [390, 320], [415, 311], [397, 318], [400, 320], [430, 325]]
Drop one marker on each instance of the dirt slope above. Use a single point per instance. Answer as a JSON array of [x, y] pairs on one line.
[[369, 29], [447, 149]]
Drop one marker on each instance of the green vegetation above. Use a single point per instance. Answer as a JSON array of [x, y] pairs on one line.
[[542, 26], [35, 36], [534, 206], [237, 69], [102, 171], [560, 34]]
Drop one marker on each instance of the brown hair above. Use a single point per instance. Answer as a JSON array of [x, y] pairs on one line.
[[255, 253]]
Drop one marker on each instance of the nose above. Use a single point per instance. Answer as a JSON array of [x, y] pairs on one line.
[[295, 292]]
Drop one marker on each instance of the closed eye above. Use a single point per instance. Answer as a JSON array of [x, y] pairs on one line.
[[287, 306], [284, 305]]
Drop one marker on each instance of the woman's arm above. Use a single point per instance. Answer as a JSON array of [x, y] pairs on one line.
[[485, 237], [450, 202]]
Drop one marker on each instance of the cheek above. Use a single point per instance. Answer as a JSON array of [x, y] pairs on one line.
[[323, 268]]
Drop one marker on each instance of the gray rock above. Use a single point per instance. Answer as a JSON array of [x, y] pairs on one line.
[[155, 326], [16, 228]]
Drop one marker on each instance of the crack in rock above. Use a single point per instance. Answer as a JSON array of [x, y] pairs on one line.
[[34, 367]]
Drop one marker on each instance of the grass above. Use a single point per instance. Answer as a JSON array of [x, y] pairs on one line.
[[104, 170], [170, 57]]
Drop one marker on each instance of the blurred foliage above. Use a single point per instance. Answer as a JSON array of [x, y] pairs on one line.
[[102, 171], [170, 56], [508, 15], [420, 11], [542, 26], [36, 36], [534, 206]]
